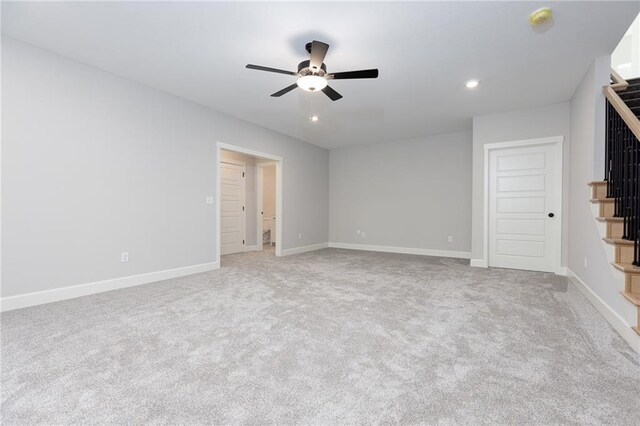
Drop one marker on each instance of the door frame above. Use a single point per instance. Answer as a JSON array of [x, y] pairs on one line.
[[279, 162], [558, 142]]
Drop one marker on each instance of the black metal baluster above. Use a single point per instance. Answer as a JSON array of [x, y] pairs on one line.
[[607, 153]]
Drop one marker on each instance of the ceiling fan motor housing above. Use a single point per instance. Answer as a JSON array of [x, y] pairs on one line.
[[303, 69]]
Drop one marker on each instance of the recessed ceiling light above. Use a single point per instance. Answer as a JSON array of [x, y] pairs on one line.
[[313, 118], [472, 83]]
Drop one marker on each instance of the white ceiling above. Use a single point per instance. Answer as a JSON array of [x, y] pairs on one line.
[[425, 53]]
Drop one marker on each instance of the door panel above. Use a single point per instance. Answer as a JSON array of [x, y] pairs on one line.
[[523, 189], [232, 215]]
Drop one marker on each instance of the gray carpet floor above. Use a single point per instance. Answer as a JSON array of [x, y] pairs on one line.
[[327, 337]]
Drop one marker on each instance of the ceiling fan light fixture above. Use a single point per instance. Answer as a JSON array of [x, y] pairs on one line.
[[312, 83]]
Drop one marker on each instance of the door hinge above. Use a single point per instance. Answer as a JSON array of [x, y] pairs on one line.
[[242, 174], [242, 241], [242, 208]]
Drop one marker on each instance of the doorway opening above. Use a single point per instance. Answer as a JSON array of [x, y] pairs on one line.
[[249, 201]]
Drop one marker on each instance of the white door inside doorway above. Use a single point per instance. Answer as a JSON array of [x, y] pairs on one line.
[[525, 196], [232, 208]]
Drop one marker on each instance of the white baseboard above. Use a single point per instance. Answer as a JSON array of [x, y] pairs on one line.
[[251, 248], [304, 249], [483, 263], [616, 321], [403, 250], [479, 263], [63, 293]]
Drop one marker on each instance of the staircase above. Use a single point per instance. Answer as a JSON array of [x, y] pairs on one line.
[[623, 248], [617, 197]]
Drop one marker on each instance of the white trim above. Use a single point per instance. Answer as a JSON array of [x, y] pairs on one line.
[[279, 161], [403, 250], [558, 141], [616, 321], [478, 263], [252, 248], [71, 292], [563, 271], [304, 249], [235, 163]]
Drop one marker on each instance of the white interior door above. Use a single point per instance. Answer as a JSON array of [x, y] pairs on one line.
[[524, 207], [232, 208], [259, 202]]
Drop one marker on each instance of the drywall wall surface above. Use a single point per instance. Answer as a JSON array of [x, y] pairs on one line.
[[533, 123], [94, 165], [588, 259], [411, 194]]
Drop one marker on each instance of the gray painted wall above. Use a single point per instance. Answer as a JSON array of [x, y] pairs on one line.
[[546, 121], [587, 149], [411, 194], [94, 165]]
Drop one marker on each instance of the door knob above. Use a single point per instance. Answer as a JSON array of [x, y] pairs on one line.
[[551, 215]]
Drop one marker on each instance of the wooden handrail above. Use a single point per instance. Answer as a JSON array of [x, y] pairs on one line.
[[619, 84], [616, 102]]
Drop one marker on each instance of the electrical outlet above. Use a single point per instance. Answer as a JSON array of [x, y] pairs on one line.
[[299, 236], [585, 263], [450, 238], [209, 199], [363, 234], [124, 257]]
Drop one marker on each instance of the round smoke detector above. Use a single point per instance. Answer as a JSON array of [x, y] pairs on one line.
[[540, 16]]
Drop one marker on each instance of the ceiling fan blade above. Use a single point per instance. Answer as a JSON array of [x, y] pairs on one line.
[[261, 68], [332, 94], [318, 52], [347, 75], [285, 90]]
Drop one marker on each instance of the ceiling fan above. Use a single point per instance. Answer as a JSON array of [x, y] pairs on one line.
[[312, 74]]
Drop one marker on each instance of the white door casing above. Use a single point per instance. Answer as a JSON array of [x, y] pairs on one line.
[[524, 190], [232, 208]]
